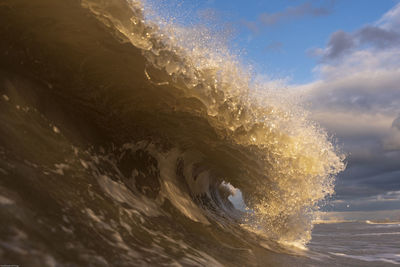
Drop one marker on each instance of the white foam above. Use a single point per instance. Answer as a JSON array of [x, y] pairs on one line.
[[170, 189], [318, 221], [389, 258], [5, 201], [56, 130], [236, 197], [388, 223], [294, 245], [378, 234], [60, 167], [120, 193]]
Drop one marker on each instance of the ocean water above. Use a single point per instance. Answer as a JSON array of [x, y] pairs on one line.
[[129, 140], [356, 244]]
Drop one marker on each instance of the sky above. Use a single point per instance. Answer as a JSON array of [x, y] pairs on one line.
[[343, 57]]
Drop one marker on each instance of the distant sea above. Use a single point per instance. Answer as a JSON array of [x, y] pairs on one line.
[[355, 244]]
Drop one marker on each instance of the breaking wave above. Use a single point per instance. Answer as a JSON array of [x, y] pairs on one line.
[[134, 135]]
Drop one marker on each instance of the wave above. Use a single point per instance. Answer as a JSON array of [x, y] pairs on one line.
[[378, 234], [290, 153], [387, 258], [166, 121], [319, 221], [381, 222]]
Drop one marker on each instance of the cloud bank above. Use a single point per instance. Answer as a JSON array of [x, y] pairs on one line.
[[357, 97], [306, 9], [294, 12]]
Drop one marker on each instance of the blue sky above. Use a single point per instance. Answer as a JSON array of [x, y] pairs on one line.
[[284, 48], [281, 47], [343, 58]]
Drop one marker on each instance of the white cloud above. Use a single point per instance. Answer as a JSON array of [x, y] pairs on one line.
[[347, 124], [356, 96], [391, 20], [364, 81], [389, 196], [392, 141], [383, 34]]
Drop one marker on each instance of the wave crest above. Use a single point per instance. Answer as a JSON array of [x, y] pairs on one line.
[[285, 164]]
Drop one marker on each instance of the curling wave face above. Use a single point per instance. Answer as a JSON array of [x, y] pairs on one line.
[[294, 161], [148, 129]]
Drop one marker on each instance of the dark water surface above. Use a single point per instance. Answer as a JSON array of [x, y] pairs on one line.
[[357, 244]]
